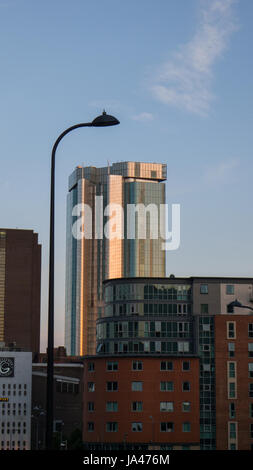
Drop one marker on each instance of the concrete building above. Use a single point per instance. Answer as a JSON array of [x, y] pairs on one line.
[[20, 283], [95, 257], [15, 399]]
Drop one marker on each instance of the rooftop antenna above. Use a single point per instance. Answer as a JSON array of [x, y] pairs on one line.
[[108, 167]]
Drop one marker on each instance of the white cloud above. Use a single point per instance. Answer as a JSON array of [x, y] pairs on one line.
[[143, 117], [185, 80], [222, 172]]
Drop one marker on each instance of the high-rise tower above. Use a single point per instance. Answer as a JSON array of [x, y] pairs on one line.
[[20, 288], [95, 257]]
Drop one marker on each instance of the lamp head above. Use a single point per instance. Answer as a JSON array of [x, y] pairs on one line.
[[104, 120], [235, 303]]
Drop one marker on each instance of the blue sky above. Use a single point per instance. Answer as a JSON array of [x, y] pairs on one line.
[[178, 76]]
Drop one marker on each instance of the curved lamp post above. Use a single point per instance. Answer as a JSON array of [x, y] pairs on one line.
[[101, 121], [236, 303]]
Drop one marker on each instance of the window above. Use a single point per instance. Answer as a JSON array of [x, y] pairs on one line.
[[231, 369], [230, 329], [250, 330], [91, 406], [111, 426], [91, 387], [112, 386], [204, 288], [251, 431], [112, 406], [230, 290], [91, 366], [206, 367], [232, 410], [137, 386], [206, 327], [186, 365], [137, 406], [231, 390], [137, 427], [166, 386], [167, 427], [251, 410], [203, 308], [183, 346], [186, 406], [186, 427], [112, 366], [251, 390], [250, 366], [232, 446], [231, 349], [166, 365], [167, 406], [186, 386], [232, 430], [137, 365], [250, 349], [90, 426]]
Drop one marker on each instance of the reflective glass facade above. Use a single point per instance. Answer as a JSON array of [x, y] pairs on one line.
[[146, 317], [90, 261]]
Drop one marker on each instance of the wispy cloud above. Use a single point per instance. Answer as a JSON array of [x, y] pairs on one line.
[[185, 80], [144, 117], [209, 178], [222, 172]]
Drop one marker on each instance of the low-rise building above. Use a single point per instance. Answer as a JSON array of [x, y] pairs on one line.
[[15, 399]]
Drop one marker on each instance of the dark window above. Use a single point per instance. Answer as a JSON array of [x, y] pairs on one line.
[[166, 365], [232, 410], [91, 406], [112, 366], [111, 427], [137, 365], [186, 365], [90, 426], [186, 386], [203, 308], [112, 386], [167, 427], [137, 406]]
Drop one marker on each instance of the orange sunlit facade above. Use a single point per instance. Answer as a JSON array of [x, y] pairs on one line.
[[151, 401]]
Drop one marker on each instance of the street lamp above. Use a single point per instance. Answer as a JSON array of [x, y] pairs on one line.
[[236, 303], [104, 120]]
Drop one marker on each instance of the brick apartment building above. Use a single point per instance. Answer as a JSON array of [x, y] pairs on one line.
[[149, 322]]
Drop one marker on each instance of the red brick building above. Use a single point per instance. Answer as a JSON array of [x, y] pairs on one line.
[[20, 288], [234, 381], [149, 401]]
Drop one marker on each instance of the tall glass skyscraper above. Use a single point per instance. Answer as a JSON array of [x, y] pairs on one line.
[[96, 256]]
